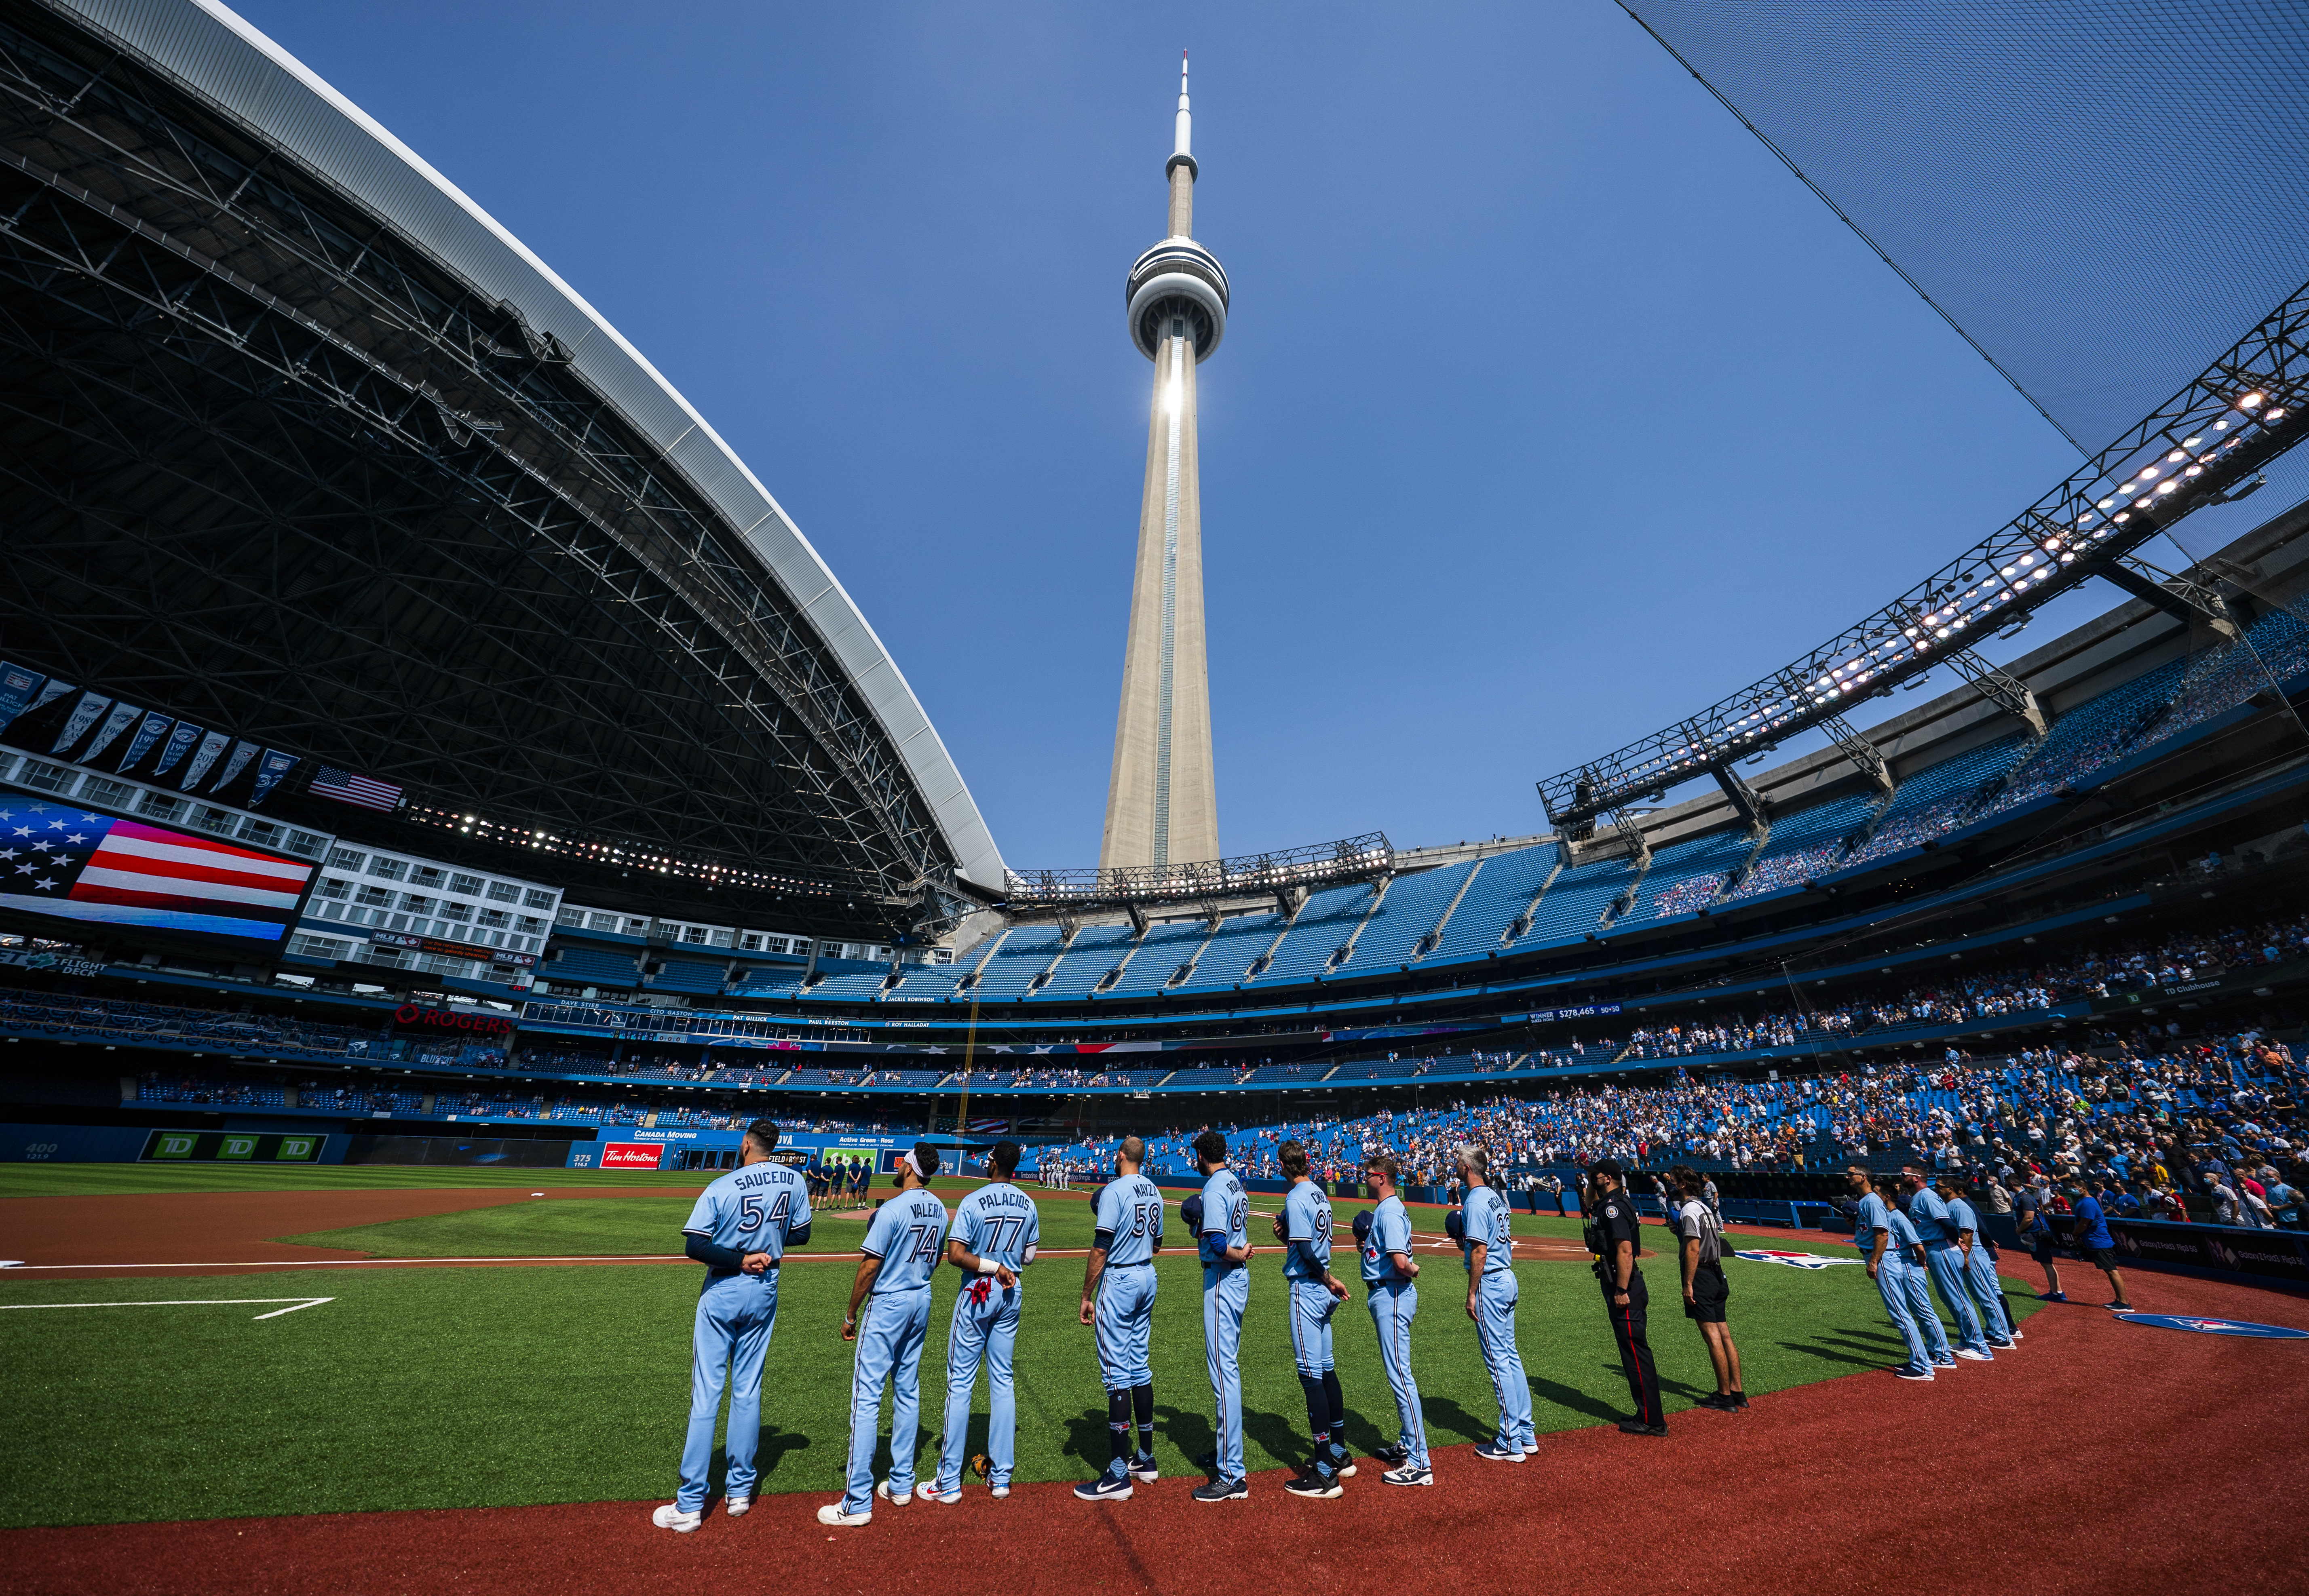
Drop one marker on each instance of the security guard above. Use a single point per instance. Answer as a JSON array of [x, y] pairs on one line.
[[1611, 1238]]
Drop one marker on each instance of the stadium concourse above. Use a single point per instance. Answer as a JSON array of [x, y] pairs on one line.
[[450, 814]]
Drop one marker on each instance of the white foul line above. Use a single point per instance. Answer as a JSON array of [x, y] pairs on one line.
[[301, 1304]]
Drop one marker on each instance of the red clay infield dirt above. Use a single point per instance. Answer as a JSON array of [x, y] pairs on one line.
[[2100, 1457]]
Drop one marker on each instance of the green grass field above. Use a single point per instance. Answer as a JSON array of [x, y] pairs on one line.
[[476, 1387]]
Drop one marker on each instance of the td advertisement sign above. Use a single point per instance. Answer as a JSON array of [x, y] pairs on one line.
[[246, 1147]]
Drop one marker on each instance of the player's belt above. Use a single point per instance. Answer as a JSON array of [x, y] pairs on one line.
[[1145, 1263]]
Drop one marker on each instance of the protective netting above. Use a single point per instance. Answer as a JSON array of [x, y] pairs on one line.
[[2101, 195]]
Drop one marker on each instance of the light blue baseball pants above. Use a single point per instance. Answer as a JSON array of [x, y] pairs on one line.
[[1225, 1294], [727, 1344], [984, 1328], [1945, 1262], [1495, 1332], [891, 1329], [1394, 1304]]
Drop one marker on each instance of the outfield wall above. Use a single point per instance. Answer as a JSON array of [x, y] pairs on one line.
[[137, 1143]]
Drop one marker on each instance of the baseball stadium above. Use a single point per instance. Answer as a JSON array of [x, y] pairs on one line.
[[519, 1046]]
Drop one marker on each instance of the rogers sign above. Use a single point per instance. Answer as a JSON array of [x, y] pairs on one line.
[[441, 1019]]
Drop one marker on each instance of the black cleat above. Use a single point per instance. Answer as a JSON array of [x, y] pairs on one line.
[[1224, 1491], [1315, 1482], [1393, 1455]]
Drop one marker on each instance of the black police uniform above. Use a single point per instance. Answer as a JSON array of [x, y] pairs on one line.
[[1615, 1221]]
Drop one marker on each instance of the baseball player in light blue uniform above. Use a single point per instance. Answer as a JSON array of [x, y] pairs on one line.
[[996, 1229], [889, 1318], [1119, 1299], [1389, 1272], [1304, 1227], [1979, 1269], [739, 1228], [1223, 1243], [1945, 1264], [1487, 1247], [1888, 1265]]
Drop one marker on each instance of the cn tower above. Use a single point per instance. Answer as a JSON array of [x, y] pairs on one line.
[[1162, 800]]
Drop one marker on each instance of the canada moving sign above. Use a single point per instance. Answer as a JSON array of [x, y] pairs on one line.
[[631, 1155]]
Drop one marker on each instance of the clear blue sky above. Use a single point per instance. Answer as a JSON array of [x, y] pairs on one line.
[[1552, 407]]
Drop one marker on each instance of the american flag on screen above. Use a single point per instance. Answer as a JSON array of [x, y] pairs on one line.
[[74, 864], [351, 787]]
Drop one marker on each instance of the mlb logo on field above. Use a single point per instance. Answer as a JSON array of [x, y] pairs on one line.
[[1792, 1260]]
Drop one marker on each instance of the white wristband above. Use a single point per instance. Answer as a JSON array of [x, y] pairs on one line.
[[987, 1265]]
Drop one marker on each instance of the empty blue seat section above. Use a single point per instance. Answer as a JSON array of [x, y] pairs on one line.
[[1405, 915], [1576, 900], [1161, 952], [853, 982], [1804, 844], [688, 974], [1023, 954], [775, 981], [2091, 734], [1327, 920], [1686, 875], [1932, 800], [1240, 939], [1503, 889], [591, 965], [1095, 949]]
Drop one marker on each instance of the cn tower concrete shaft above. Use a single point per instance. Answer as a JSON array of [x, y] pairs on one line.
[[1162, 800]]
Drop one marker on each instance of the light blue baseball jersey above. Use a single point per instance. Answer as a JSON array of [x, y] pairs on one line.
[[1903, 1232], [1485, 1220], [999, 1222], [1875, 1214], [752, 1209], [1928, 1215], [1307, 1223], [904, 1234], [1961, 1218], [1130, 1216], [1227, 1219], [1390, 1233]]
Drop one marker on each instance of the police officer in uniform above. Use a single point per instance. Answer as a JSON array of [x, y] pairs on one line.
[[1611, 1232]]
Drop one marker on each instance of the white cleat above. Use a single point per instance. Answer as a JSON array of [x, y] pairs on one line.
[[670, 1517], [832, 1513], [930, 1491], [895, 1498], [998, 1492], [1969, 1356], [736, 1507]]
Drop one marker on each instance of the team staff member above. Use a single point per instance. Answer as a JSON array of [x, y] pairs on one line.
[[1487, 1247], [1118, 1298], [1611, 1238], [996, 1231], [1304, 1227], [894, 1288], [1389, 1272], [2092, 1241], [739, 1228], [1223, 1243], [1979, 1272], [2032, 1211], [1930, 1217], [1706, 1291]]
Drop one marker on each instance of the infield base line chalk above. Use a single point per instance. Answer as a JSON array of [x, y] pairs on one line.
[[301, 1304]]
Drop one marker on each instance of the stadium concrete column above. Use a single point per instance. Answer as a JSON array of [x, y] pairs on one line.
[[1161, 801]]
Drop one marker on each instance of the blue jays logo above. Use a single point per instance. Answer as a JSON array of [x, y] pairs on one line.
[[1792, 1260], [2244, 1327]]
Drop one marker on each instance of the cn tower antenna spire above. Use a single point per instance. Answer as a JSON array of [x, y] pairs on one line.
[[1184, 144]]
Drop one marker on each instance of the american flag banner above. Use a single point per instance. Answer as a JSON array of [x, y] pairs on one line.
[[351, 787], [66, 862]]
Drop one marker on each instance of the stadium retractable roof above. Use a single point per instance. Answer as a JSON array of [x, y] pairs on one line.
[[301, 443]]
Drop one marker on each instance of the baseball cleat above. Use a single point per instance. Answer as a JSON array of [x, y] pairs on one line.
[[1498, 1454], [1106, 1488], [1391, 1455], [1911, 1372], [670, 1517], [736, 1507], [1999, 1346], [1970, 1356], [1409, 1474], [895, 1498], [832, 1513], [1343, 1463], [1314, 1483], [1143, 1469], [1224, 1491], [998, 1492], [945, 1496]]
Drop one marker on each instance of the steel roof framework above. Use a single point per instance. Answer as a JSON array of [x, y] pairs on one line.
[[273, 468], [2241, 412]]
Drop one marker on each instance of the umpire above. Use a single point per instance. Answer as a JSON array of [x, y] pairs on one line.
[[1611, 1234]]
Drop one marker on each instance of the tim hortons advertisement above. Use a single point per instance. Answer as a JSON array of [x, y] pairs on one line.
[[631, 1155], [472, 1023]]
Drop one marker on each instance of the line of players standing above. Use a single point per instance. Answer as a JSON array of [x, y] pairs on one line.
[[743, 1223]]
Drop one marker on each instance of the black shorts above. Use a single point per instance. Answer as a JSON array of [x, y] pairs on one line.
[[1710, 1291], [2103, 1257], [2040, 1246]]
